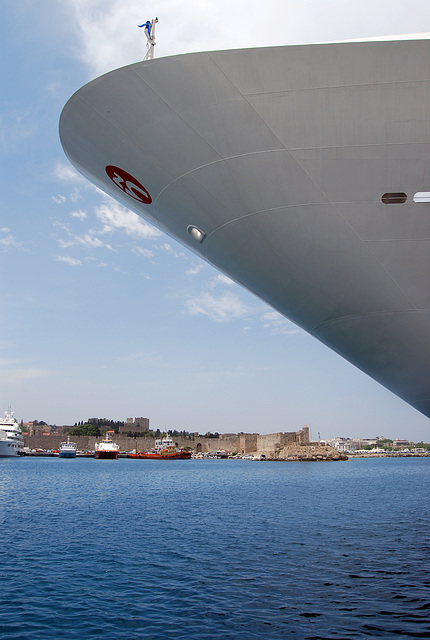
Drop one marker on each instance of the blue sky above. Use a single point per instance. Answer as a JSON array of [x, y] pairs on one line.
[[105, 316]]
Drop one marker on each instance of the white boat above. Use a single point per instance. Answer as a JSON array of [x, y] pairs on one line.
[[67, 449], [301, 172], [106, 449], [11, 440]]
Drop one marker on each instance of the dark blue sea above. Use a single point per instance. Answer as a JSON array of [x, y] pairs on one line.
[[214, 549]]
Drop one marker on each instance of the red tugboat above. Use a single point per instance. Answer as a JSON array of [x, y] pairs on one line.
[[164, 449]]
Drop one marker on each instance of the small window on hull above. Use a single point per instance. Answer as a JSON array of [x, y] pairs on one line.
[[394, 198], [422, 196]]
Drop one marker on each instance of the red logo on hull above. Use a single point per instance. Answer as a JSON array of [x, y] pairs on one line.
[[127, 183]]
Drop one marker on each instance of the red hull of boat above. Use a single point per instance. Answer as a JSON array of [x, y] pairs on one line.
[[176, 455], [106, 455]]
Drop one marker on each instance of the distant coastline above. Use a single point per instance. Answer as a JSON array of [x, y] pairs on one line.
[[294, 445], [135, 435], [390, 454]]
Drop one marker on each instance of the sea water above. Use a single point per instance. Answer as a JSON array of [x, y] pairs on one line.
[[214, 549]]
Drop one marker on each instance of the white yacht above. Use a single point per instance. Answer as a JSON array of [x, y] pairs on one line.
[[11, 440]]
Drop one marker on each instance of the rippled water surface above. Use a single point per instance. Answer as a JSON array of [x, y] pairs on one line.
[[211, 549]]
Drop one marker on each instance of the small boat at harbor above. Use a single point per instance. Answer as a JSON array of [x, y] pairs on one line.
[[165, 449], [107, 449], [67, 449]]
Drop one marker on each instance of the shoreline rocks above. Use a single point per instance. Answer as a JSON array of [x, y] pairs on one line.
[[312, 452]]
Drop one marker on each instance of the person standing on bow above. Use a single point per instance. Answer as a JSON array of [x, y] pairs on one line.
[[149, 28]]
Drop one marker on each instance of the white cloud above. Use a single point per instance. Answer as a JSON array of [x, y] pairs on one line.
[[104, 32], [81, 215], [76, 194], [66, 173], [223, 308], [96, 262], [222, 279], [276, 323], [59, 199], [171, 251], [115, 217], [73, 262], [146, 253], [9, 240], [272, 316], [193, 271], [87, 240]]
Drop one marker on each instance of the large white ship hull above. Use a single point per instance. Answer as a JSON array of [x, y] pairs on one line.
[[280, 157], [9, 449]]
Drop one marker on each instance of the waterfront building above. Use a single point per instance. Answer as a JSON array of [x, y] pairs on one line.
[[351, 445], [401, 443]]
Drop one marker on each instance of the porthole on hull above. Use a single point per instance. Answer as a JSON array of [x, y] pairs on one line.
[[196, 233], [422, 196], [394, 198]]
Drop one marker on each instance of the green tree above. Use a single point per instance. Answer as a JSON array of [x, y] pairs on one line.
[[85, 430]]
